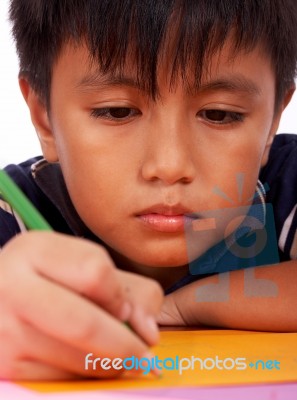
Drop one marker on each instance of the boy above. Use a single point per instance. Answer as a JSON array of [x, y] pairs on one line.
[[142, 109]]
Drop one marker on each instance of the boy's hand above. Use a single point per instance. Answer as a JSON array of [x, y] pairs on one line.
[[181, 307], [172, 311], [62, 298]]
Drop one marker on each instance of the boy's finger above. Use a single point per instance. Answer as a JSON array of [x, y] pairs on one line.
[[27, 343], [77, 264], [146, 297], [146, 292], [59, 355], [65, 316]]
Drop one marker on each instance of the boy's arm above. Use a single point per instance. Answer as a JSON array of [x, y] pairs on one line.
[[262, 298]]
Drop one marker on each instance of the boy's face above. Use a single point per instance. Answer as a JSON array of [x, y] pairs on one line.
[[134, 166]]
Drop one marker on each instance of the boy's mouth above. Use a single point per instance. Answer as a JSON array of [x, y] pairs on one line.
[[164, 218]]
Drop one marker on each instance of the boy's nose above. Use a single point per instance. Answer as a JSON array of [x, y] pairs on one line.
[[168, 156]]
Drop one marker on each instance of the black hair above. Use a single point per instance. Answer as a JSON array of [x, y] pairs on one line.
[[110, 28]]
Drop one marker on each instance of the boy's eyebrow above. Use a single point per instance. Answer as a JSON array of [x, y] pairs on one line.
[[97, 80], [230, 83]]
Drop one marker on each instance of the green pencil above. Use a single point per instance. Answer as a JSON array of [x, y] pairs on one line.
[[21, 204]]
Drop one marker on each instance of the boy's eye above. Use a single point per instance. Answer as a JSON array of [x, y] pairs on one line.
[[221, 116], [114, 113]]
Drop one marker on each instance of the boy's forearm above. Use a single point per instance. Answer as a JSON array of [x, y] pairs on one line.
[[262, 298]]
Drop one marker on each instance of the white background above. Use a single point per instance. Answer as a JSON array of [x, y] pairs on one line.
[[18, 140]]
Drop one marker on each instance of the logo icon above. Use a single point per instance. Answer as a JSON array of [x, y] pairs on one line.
[[246, 238]]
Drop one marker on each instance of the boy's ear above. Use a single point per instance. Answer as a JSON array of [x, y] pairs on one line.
[[40, 120], [275, 124]]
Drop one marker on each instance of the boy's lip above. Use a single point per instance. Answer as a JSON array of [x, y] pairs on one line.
[[165, 218]]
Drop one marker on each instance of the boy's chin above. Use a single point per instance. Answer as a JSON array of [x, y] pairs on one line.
[[177, 257], [170, 257], [164, 261]]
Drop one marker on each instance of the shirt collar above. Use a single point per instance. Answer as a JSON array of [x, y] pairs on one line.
[[49, 178]]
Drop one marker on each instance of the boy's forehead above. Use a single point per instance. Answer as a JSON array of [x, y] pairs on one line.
[[222, 70]]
